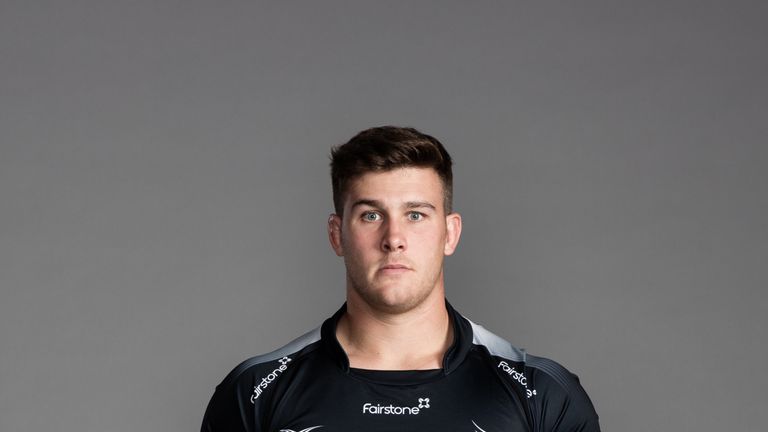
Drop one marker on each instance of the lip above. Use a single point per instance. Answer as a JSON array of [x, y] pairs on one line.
[[394, 268]]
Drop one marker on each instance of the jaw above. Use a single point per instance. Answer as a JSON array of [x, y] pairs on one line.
[[395, 295]]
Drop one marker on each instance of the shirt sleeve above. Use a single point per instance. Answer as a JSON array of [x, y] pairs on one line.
[[234, 406], [560, 403], [224, 412]]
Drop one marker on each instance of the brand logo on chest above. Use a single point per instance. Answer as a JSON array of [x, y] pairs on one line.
[[391, 409]]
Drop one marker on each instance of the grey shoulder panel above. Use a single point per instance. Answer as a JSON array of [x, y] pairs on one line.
[[291, 347], [560, 374], [496, 345]]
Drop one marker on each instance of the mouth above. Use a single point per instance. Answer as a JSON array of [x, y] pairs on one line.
[[394, 268]]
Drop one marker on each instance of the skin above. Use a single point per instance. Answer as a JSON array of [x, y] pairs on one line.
[[394, 236]]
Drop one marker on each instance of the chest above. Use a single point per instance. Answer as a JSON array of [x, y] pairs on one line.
[[467, 400]]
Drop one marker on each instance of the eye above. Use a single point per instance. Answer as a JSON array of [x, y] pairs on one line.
[[371, 216], [415, 216]]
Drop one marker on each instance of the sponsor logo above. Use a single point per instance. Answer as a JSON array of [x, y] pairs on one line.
[[517, 376], [259, 388], [303, 430], [477, 428], [378, 409]]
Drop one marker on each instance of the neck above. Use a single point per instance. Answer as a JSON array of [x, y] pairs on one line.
[[412, 340]]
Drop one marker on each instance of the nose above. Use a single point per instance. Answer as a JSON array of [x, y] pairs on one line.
[[393, 239]]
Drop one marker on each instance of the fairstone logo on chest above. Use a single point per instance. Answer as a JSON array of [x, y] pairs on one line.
[[378, 409], [259, 388]]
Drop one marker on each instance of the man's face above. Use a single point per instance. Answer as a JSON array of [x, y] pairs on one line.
[[393, 236]]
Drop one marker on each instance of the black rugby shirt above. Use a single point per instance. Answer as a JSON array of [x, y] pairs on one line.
[[485, 385]]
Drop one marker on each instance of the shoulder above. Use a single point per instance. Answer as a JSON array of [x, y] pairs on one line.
[[243, 389], [554, 396], [281, 356]]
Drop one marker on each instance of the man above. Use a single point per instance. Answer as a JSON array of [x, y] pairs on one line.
[[397, 356]]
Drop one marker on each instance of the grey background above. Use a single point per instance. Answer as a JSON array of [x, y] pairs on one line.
[[164, 190]]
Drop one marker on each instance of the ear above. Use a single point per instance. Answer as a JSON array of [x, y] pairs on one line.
[[453, 231], [334, 234]]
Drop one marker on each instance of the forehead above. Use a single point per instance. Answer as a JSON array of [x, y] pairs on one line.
[[398, 185]]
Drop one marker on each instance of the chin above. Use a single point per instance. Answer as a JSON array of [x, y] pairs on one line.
[[396, 307], [385, 300]]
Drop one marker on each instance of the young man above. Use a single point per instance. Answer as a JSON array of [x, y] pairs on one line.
[[397, 356]]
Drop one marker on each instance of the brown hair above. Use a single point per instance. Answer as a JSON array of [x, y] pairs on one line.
[[386, 148]]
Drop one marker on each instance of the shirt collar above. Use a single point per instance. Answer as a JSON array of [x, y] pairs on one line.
[[454, 356]]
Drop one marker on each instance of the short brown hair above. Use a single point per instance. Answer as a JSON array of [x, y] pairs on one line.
[[386, 148]]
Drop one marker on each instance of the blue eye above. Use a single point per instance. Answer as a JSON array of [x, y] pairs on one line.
[[415, 216], [371, 216]]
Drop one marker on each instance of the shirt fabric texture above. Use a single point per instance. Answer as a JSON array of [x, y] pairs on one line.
[[485, 385]]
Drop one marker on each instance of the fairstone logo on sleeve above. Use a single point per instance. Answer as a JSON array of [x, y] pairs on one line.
[[378, 409], [259, 388], [517, 376]]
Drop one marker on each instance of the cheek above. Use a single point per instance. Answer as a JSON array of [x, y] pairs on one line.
[[429, 243], [358, 239]]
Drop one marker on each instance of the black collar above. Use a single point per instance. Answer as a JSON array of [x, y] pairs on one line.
[[454, 356]]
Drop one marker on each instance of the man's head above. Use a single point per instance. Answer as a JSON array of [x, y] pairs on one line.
[[393, 223], [387, 148]]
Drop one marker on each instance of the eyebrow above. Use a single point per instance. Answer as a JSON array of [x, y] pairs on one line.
[[419, 204], [378, 204]]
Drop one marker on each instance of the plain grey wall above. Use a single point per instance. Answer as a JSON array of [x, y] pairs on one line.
[[164, 191]]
